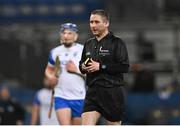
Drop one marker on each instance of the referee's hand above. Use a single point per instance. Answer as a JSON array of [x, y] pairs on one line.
[[91, 67]]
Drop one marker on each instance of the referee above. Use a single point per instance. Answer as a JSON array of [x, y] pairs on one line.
[[108, 60]]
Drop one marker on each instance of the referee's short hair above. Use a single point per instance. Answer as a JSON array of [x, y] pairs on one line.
[[102, 13]]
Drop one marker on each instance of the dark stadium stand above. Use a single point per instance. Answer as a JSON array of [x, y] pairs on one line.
[[142, 108], [46, 10]]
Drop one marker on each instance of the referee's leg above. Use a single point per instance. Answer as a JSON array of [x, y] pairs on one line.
[[90, 118], [113, 123]]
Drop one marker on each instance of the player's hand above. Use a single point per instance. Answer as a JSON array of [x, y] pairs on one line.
[[71, 67], [53, 80]]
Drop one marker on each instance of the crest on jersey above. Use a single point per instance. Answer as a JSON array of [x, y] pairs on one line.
[[75, 54]]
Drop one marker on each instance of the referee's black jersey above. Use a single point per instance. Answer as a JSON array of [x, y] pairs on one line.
[[111, 53]]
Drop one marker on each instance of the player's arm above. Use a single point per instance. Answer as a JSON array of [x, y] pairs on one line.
[[50, 70], [72, 68], [35, 110], [50, 75], [35, 114]]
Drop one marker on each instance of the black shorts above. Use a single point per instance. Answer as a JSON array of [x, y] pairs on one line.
[[109, 102]]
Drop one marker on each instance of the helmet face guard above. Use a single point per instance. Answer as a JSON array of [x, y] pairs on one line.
[[69, 26]]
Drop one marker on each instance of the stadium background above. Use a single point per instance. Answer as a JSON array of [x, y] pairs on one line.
[[150, 28]]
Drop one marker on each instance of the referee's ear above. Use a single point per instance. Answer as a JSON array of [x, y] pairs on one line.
[[107, 23]]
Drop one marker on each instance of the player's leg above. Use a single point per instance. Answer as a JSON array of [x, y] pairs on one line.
[[64, 116], [63, 111], [90, 118], [77, 121], [76, 108]]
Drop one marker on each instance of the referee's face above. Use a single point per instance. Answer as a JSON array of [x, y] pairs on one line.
[[98, 25]]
